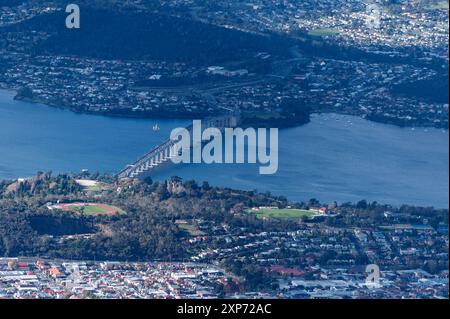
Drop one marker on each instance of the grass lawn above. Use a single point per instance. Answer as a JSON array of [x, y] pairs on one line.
[[191, 229], [95, 188], [284, 213], [95, 209], [323, 32], [91, 185], [439, 5]]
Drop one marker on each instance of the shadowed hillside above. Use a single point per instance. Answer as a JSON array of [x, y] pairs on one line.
[[122, 35], [434, 90]]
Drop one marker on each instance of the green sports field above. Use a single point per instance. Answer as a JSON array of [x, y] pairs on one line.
[[323, 32], [94, 209], [284, 213], [439, 5]]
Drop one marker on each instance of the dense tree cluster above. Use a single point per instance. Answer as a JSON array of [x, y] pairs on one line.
[[148, 230]]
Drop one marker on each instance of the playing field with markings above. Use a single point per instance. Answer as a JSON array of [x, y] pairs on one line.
[[91, 209], [287, 213]]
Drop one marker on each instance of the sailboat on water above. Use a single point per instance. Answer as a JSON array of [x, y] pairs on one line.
[[156, 128]]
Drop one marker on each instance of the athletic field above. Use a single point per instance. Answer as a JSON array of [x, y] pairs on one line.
[[90, 209], [287, 213], [323, 32]]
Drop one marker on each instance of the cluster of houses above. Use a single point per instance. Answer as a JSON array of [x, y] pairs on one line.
[[370, 25], [29, 278], [329, 261], [131, 87]]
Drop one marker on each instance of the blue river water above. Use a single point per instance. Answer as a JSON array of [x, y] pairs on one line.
[[335, 157]]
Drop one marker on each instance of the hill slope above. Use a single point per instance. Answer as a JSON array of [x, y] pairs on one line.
[[124, 35]]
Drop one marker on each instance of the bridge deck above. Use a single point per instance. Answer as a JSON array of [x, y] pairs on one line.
[[141, 165]]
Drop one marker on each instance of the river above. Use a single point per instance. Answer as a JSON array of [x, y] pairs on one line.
[[335, 157]]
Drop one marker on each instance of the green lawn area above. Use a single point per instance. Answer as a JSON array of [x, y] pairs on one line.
[[191, 229], [92, 185], [95, 209], [323, 32], [95, 188], [284, 213], [439, 5]]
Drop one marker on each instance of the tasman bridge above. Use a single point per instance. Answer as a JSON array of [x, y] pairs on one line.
[[168, 149]]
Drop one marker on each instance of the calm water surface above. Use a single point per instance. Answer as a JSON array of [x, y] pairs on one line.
[[334, 157]]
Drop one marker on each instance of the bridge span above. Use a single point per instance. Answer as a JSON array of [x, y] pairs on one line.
[[168, 149]]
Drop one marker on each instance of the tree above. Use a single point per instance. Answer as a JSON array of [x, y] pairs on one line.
[[362, 204], [25, 92]]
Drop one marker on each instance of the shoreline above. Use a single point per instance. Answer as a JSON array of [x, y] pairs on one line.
[[292, 201], [301, 120], [320, 125], [128, 114]]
